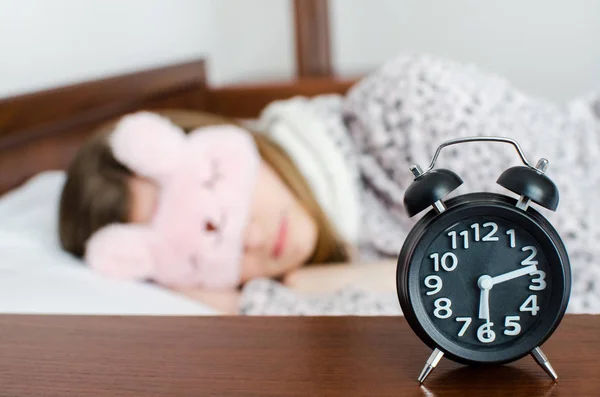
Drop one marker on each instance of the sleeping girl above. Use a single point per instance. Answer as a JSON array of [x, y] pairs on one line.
[[188, 199], [200, 203]]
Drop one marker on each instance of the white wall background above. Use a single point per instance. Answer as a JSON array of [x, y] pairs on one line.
[[47, 43], [549, 48], [253, 40]]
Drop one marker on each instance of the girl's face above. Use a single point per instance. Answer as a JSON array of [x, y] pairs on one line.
[[280, 235]]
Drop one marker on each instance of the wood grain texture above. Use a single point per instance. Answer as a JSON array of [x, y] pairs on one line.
[[41, 131], [268, 356], [313, 50], [247, 100]]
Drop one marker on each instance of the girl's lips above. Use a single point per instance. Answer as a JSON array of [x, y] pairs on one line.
[[281, 238]]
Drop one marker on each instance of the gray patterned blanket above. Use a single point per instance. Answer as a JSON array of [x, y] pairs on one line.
[[399, 114]]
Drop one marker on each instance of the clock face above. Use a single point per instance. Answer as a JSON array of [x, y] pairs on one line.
[[484, 281]]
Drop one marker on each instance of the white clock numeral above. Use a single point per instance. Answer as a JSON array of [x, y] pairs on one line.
[[490, 236], [529, 260], [475, 228], [442, 308], [512, 323], [486, 334], [541, 284], [465, 235], [435, 283], [452, 235], [447, 267], [530, 305], [513, 242], [467, 322]]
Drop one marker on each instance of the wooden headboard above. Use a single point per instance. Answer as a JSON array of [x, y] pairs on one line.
[[42, 130]]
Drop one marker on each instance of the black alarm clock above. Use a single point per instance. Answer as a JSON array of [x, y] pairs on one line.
[[483, 278]]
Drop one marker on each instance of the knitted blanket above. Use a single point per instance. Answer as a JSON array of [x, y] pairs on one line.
[[398, 115]]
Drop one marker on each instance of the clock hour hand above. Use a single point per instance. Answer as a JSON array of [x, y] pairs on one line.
[[514, 274]]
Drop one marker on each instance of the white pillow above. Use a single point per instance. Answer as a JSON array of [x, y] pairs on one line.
[[37, 276]]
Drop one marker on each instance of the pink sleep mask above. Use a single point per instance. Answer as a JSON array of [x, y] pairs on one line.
[[205, 183]]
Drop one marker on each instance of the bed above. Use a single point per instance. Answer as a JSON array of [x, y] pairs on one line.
[[39, 134], [41, 131]]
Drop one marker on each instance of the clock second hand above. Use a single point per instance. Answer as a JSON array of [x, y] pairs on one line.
[[485, 284]]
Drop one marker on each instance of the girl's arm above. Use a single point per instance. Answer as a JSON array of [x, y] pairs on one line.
[[377, 277], [312, 279]]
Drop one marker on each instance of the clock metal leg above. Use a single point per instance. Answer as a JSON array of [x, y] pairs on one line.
[[432, 361], [542, 360]]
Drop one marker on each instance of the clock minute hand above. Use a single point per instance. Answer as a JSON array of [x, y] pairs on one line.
[[484, 304], [514, 274]]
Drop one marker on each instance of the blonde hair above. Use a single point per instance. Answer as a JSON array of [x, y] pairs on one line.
[[96, 194]]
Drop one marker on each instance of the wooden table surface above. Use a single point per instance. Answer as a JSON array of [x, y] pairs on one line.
[[268, 356]]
